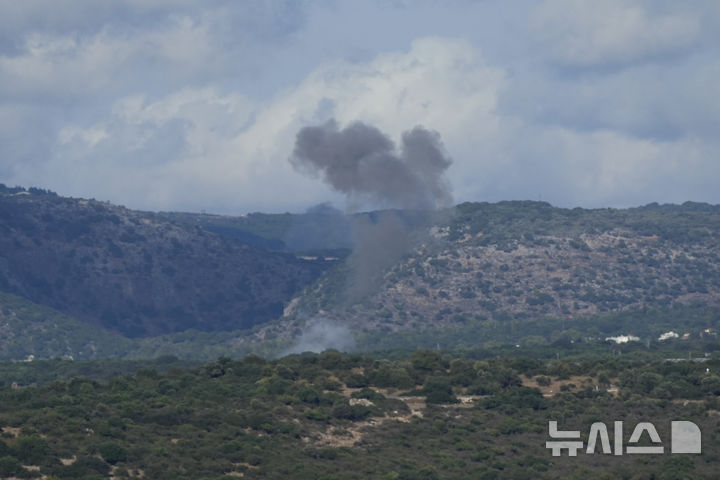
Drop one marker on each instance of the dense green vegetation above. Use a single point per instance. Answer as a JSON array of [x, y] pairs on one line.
[[137, 273], [647, 324], [522, 220], [31, 329], [42, 372], [334, 416]]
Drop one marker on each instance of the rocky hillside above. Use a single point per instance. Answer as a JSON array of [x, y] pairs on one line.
[[476, 272], [492, 265], [137, 273]]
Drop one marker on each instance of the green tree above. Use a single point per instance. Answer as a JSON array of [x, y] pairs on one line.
[[112, 452], [438, 390], [10, 466], [32, 449], [428, 361], [4, 449], [711, 384]]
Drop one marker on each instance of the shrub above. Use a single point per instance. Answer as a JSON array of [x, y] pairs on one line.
[[84, 467], [438, 390], [32, 449], [428, 360], [308, 394], [10, 466], [112, 452], [350, 412]]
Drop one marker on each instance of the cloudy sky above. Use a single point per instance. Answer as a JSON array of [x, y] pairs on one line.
[[185, 105]]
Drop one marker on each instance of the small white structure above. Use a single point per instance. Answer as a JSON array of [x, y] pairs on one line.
[[623, 338], [668, 336]]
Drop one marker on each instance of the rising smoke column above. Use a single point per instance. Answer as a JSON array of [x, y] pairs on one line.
[[364, 164]]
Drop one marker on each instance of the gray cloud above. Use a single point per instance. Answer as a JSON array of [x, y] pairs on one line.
[[648, 101], [596, 104], [362, 162], [611, 32]]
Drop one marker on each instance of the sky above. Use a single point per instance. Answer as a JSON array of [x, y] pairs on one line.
[[195, 106]]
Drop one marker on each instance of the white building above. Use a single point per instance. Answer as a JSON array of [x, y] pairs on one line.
[[623, 338], [668, 336]]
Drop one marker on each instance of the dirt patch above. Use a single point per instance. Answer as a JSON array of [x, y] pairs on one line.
[[245, 465], [347, 391], [467, 401], [14, 431], [572, 384], [342, 437], [139, 473], [349, 436], [415, 404]]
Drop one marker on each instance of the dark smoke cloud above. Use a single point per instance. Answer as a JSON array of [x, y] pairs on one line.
[[363, 163], [381, 239]]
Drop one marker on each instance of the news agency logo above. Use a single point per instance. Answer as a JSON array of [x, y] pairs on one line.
[[685, 437]]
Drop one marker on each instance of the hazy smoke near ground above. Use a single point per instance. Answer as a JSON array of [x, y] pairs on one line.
[[363, 163], [380, 240], [321, 336]]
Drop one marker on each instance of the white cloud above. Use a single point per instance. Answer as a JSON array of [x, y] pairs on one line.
[[133, 46], [610, 32], [223, 150], [77, 66], [161, 105], [441, 84], [149, 154]]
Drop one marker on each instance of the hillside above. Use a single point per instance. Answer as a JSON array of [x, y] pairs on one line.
[[199, 285], [30, 331], [320, 229], [138, 273], [501, 267]]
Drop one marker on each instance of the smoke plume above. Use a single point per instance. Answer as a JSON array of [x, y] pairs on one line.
[[323, 335], [363, 163]]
